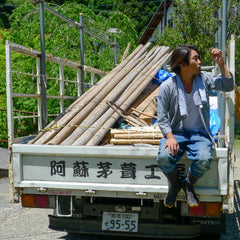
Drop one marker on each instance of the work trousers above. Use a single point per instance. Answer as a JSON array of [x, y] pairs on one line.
[[199, 150]]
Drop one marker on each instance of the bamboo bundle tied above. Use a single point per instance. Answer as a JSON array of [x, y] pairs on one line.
[[132, 91], [149, 135], [144, 81], [90, 117], [87, 97], [97, 106], [133, 130], [130, 135], [102, 111]]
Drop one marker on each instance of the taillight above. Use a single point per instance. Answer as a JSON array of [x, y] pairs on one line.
[[212, 209], [208, 209], [28, 200], [42, 201], [197, 211], [38, 201]]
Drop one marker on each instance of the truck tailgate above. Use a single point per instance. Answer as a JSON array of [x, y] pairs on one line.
[[107, 171]]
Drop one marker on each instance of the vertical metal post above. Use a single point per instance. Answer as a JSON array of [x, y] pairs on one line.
[[40, 124], [62, 90], [9, 117], [220, 28], [231, 95], [43, 67], [223, 48], [115, 51], [165, 13], [9, 95], [82, 54], [79, 82], [224, 27], [92, 79]]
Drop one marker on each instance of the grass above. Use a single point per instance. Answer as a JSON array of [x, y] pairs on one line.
[[237, 143]]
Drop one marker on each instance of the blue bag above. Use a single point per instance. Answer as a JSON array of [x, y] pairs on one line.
[[161, 76], [215, 122]]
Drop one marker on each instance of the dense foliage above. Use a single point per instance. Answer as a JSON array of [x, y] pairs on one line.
[[196, 22], [193, 21], [63, 40]]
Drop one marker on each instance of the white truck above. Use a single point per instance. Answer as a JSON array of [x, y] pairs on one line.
[[119, 190]]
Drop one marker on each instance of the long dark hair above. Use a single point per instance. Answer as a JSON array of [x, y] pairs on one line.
[[180, 55]]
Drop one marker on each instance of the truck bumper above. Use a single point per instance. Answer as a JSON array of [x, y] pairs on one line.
[[145, 229]]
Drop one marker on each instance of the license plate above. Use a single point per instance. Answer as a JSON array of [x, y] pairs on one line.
[[124, 222]]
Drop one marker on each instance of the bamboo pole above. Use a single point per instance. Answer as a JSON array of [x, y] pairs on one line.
[[126, 52], [102, 107], [134, 141], [143, 113], [126, 116], [134, 130], [105, 127], [77, 140], [129, 135], [83, 100]]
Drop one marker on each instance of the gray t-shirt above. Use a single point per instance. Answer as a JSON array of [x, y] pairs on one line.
[[193, 120]]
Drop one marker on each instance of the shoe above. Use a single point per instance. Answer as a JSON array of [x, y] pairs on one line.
[[174, 188], [188, 188]]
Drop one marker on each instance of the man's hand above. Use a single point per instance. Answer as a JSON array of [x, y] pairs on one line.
[[172, 144], [217, 57]]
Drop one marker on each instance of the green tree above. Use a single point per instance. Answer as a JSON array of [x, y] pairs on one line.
[[195, 22], [63, 40], [234, 28], [140, 12]]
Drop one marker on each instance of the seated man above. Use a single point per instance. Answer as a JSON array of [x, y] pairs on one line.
[[183, 117]]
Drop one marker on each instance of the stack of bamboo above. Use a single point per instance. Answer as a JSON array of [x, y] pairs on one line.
[[89, 118], [146, 135]]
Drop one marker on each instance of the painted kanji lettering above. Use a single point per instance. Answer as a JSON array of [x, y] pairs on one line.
[[104, 169], [80, 169], [152, 175], [128, 170], [58, 168]]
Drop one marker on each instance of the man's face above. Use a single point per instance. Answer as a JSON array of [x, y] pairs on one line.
[[194, 66]]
